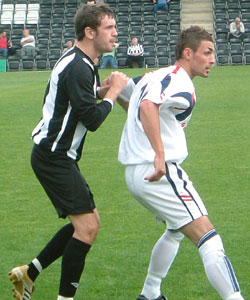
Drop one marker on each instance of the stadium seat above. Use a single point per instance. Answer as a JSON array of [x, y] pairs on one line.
[[237, 59], [247, 59], [246, 48], [6, 17], [162, 42], [150, 62], [163, 54], [236, 49], [58, 3], [222, 60], [136, 9], [245, 5], [222, 49], [13, 65], [163, 61], [42, 43], [52, 63], [148, 48], [233, 5], [28, 65], [44, 22], [221, 35], [122, 62], [71, 3]]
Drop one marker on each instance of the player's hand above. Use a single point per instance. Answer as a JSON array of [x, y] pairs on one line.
[[160, 170], [104, 87], [117, 82]]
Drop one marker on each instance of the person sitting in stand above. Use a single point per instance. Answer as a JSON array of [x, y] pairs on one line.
[[109, 58], [28, 44], [69, 46], [161, 4], [135, 53], [3, 43], [237, 29]]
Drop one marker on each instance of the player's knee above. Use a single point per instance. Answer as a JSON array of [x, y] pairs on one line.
[[92, 229], [88, 232], [175, 236], [211, 244]]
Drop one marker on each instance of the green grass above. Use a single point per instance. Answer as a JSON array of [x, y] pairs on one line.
[[218, 164]]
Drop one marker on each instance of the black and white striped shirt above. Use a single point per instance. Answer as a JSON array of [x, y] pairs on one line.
[[70, 108], [135, 49]]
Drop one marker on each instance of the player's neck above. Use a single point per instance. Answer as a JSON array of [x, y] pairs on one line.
[[185, 65], [87, 48]]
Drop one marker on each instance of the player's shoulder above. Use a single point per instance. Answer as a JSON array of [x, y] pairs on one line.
[[181, 79], [77, 62]]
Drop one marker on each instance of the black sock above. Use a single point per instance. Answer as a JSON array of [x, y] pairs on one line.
[[53, 250], [72, 266]]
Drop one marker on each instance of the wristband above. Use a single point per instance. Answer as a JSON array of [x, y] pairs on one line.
[[109, 101], [97, 92]]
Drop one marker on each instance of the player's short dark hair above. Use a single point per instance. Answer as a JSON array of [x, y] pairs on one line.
[[191, 38], [90, 16], [2, 30]]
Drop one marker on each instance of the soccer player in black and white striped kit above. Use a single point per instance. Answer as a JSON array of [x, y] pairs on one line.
[[69, 111]]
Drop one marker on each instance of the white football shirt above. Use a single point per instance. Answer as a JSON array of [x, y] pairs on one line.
[[173, 90]]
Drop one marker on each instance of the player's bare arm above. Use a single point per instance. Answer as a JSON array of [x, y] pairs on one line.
[[123, 104], [102, 90], [149, 116], [117, 82]]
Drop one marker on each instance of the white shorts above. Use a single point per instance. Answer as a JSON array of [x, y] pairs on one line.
[[172, 199]]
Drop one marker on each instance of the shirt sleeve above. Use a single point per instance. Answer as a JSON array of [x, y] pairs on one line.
[[127, 91], [163, 92], [141, 50], [129, 51], [80, 83], [232, 29], [242, 27]]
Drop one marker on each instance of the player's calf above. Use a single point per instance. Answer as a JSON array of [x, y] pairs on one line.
[[218, 267]]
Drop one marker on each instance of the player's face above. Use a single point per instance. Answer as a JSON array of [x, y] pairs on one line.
[[106, 35], [202, 60]]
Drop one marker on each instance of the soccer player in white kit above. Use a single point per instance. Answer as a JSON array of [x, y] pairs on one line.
[[153, 146]]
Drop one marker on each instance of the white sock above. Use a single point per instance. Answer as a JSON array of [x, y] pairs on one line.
[[37, 264], [163, 255], [64, 298], [219, 270], [235, 296]]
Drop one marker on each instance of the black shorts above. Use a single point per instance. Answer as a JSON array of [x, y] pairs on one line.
[[62, 181]]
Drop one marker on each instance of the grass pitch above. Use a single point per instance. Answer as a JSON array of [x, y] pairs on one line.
[[218, 164]]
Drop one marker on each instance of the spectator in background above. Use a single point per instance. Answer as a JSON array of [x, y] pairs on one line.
[[161, 4], [109, 58], [28, 44], [135, 53], [90, 2], [69, 46], [11, 49], [237, 29], [3, 43]]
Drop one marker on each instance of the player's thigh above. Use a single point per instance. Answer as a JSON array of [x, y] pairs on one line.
[[172, 199], [63, 183]]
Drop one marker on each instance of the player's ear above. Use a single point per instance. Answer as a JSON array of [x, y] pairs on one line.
[[89, 33], [187, 53]]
